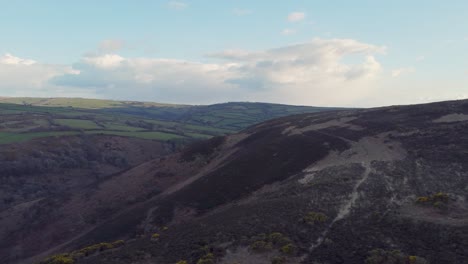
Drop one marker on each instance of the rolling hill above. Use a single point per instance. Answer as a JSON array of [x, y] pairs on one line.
[[23, 119], [52, 148], [383, 185]]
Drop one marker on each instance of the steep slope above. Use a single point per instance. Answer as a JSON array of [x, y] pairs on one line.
[[55, 152], [333, 187]]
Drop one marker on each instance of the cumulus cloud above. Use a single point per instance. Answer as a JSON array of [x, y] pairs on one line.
[[9, 59], [241, 11], [26, 77], [307, 73], [106, 61], [296, 16], [402, 71], [177, 5]]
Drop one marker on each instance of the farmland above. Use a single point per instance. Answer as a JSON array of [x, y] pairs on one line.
[[23, 119]]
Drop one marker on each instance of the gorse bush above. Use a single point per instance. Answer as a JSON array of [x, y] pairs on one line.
[[438, 200], [278, 239], [155, 237], [278, 260], [313, 218], [209, 258], [59, 259], [288, 249], [261, 246], [380, 256], [70, 258]]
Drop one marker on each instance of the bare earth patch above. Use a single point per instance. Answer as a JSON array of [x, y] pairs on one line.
[[451, 118], [367, 149], [340, 122]]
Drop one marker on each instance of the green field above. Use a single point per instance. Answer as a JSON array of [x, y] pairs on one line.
[[23, 119], [77, 123], [145, 135], [6, 138]]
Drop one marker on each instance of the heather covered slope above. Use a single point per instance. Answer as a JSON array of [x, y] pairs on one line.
[[68, 164], [375, 185]]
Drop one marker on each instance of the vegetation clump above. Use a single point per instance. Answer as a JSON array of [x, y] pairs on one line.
[[278, 260], [59, 259], [380, 256], [155, 237], [274, 242], [70, 258], [278, 239], [94, 248], [288, 249], [182, 262], [209, 258], [261, 246], [313, 218], [438, 200]]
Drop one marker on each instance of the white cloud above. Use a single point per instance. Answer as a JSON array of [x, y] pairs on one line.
[[12, 60], [308, 73], [177, 5], [296, 16], [288, 31], [106, 61], [241, 11], [326, 72], [26, 77], [402, 71]]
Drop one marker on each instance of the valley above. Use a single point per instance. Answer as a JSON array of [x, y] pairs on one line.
[[344, 186]]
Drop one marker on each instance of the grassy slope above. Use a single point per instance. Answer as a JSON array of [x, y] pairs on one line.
[[22, 119]]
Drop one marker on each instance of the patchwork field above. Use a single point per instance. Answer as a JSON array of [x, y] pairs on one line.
[[23, 119]]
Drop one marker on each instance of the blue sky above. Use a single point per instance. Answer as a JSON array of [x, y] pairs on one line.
[[350, 53]]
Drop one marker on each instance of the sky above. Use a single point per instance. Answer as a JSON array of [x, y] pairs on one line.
[[359, 53]]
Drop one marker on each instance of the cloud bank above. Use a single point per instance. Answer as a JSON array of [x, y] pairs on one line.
[[318, 72]]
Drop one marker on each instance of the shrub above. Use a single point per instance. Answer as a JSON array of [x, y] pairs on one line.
[[422, 199], [380, 256], [182, 262], [94, 248], [440, 196], [438, 200], [288, 249], [313, 218], [155, 237], [278, 260], [261, 246], [278, 239], [59, 259], [207, 259], [118, 243]]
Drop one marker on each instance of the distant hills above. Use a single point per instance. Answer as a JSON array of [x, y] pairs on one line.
[[28, 118]]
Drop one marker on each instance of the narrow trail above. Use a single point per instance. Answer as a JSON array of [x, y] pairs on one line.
[[345, 209]]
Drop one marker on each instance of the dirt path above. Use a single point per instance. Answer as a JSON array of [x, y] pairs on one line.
[[345, 209]]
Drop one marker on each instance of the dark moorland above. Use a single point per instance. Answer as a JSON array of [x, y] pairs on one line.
[[382, 185]]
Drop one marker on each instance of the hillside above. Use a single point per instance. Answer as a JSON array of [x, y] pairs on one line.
[[52, 149], [23, 119], [384, 185]]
